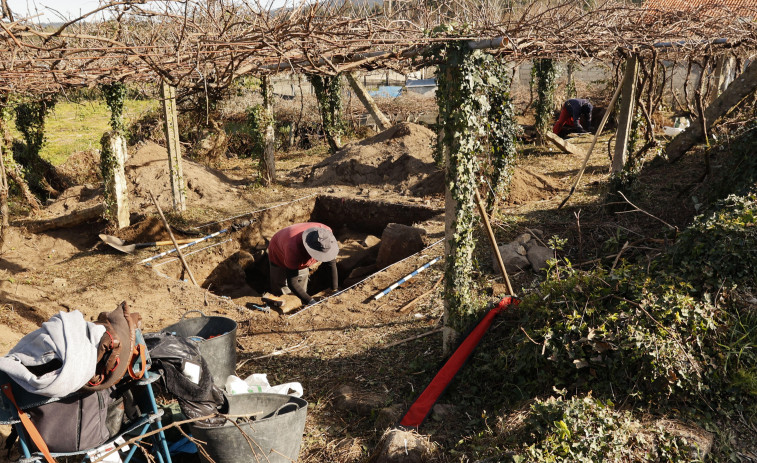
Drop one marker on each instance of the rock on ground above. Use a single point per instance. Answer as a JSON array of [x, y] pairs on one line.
[[397, 242], [538, 257], [513, 256], [398, 446]]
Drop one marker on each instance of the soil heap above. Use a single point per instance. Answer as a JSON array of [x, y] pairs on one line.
[[401, 156]]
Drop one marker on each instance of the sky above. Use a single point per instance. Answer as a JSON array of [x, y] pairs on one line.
[[68, 8]]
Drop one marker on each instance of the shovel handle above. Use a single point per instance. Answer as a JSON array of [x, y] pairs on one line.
[[164, 243]]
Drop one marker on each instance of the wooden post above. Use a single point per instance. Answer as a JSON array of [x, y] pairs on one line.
[[178, 190], [626, 114], [724, 70], [370, 105], [269, 152]]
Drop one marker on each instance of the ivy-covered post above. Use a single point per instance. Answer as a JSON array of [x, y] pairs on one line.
[[30, 121], [462, 125], [4, 116], [113, 157], [171, 126], [544, 74], [502, 129], [269, 135], [328, 92], [626, 116]]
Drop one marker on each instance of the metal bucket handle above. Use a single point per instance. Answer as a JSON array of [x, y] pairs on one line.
[[190, 311], [279, 410]]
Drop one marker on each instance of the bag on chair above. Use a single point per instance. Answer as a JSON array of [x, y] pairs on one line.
[[118, 351]]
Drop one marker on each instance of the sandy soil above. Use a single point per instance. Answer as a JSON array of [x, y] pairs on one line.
[[342, 340]]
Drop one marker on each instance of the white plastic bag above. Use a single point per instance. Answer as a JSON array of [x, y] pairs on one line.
[[258, 382]]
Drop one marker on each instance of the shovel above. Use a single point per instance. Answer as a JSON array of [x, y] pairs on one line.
[[118, 243]]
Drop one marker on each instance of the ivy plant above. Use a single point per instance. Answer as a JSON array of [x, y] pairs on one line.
[[328, 92], [474, 102], [544, 74]]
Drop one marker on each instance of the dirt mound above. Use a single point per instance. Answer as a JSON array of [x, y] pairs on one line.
[[401, 156], [528, 186], [147, 170]]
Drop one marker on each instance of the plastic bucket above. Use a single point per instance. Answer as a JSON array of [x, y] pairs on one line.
[[271, 430], [216, 339]]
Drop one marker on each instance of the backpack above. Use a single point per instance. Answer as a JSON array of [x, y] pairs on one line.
[[118, 350]]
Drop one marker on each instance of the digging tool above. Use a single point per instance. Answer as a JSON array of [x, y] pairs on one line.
[[173, 240], [233, 227], [493, 241], [118, 243]]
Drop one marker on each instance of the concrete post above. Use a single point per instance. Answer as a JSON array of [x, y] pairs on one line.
[[118, 191], [628, 95], [178, 190]]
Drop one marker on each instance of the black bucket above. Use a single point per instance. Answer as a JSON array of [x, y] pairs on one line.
[[216, 338], [273, 424]]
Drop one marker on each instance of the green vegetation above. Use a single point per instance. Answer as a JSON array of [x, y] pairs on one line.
[[674, 338], [73, 127], [590, 430]]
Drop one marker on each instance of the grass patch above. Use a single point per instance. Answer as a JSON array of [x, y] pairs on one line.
[[73, 127]]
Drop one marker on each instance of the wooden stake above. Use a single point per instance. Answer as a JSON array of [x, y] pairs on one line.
[[168, 96], [370, 105], [415, 300], [493, 241], [176, 245], [625, 119]]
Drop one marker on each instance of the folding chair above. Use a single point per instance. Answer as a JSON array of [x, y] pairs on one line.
[[14, 400]]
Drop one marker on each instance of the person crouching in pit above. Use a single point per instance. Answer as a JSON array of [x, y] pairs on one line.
[[296, 248]]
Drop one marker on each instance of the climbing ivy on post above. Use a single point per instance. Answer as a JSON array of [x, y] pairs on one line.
[[328, 92], [501, 128], [115, 97], [30, 121], [544, 74], [473, 99], [257, 122]]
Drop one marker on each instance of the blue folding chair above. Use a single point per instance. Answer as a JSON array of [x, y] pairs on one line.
[[15, 399]]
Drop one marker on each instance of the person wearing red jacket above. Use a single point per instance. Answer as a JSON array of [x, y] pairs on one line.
[[296, 248], [573, 112]]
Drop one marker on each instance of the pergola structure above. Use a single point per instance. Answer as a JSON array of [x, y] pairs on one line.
[[197, 43], [201, 46]]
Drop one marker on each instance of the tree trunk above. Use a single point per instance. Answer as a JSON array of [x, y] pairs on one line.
[[26, 192], [742, 86], [381, 120]]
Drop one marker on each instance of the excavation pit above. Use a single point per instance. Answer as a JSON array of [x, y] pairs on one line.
[[371, 234]]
